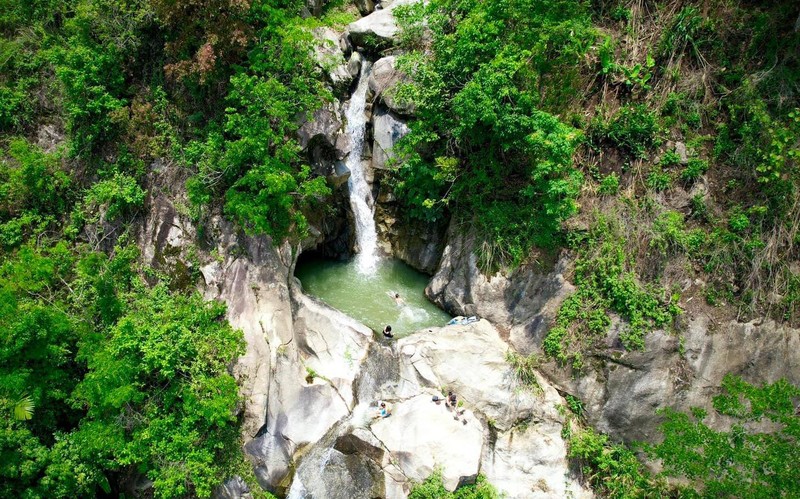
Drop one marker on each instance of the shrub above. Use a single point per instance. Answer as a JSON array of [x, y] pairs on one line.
[[524, 369], [694, 169], [609, 185], [634, 129], [433, 488], [658, 180], [670, 158]]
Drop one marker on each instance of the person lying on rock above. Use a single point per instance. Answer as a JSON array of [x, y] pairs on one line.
[[387, 332]]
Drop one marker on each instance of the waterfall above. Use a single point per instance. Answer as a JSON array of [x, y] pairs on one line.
[[361, 201]]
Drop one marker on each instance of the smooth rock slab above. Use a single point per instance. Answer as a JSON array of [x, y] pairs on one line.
[[421, 435], [471, 360], [531, 463]]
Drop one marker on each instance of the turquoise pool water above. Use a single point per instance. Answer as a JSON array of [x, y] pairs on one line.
[[370, 298]]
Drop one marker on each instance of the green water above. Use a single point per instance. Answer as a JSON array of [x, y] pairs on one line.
[[370, 299]]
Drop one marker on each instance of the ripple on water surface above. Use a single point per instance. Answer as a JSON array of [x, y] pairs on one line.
[[370, 298]]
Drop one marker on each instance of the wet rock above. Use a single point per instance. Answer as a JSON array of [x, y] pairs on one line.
[[420, 245], [388, 129], [354, 64]]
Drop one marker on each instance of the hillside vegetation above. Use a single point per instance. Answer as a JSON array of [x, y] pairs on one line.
[[656, 141]]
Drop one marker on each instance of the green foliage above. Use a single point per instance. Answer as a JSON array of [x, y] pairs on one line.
[[108, 200], [609, 186], [694, 169], [31, 180], [477, 99], [524, 369], [612, 468], [253, 157], [162, 369], [574, 404], [633, 77], [689, 32], [741, 460], [114, 375], [658, 180], [433, 488], [634, 130], [605, 281]]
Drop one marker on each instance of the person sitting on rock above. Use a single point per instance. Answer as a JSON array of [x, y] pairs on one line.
[[383, 410], [451, 400], [387, 332]]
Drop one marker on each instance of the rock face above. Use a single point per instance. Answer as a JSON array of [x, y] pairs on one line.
[[419, 245], [378, 30], [624, 389], [311, 377], [383, 83], [386, 455], [330, 57], [388, 129], [522, 304], [622, 396]]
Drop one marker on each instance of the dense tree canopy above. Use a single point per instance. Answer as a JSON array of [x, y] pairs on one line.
[[641, 137]]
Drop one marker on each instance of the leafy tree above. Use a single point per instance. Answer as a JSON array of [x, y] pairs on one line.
[[158, 386], [252, 157], [479, 98]]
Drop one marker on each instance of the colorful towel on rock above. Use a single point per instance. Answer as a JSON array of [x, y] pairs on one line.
[[462, 321]]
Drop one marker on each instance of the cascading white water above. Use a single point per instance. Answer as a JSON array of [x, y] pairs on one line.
[[361, 201]]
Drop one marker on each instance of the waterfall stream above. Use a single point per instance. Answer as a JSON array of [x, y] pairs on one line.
[[361, 201]]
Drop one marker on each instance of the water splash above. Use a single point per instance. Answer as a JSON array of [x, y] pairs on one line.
[[361, 201]]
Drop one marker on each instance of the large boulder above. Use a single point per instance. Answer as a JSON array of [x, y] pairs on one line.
[[522, 304], [422, 436], [383, 84], [470, 360], [330, 57], [387, 130], [322, 127], [377, 31]]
